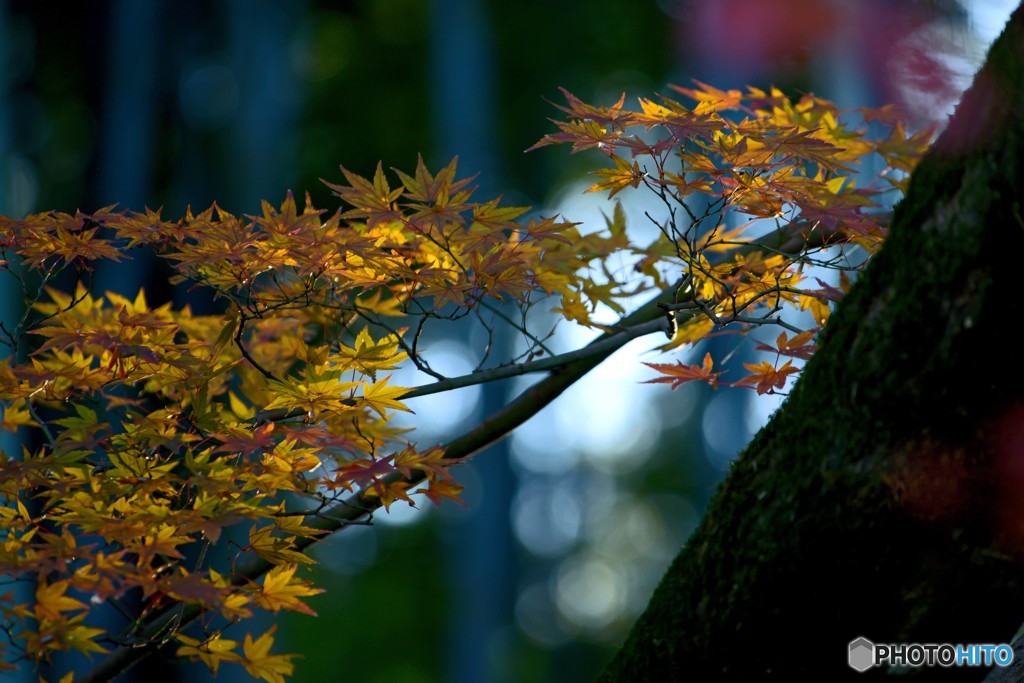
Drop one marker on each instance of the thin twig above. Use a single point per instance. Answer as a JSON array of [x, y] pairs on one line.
[[362, 504]]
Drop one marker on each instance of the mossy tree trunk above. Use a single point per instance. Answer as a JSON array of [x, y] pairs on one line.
[[886, 497]]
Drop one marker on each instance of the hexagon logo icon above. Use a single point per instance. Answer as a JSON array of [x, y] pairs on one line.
[[862, 654]]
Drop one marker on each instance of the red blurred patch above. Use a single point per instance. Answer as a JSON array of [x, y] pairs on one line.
[[894, 42], [930, 481], [737, 33], [1008, 442]]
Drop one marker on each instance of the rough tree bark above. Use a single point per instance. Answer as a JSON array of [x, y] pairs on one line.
[[886, 497]]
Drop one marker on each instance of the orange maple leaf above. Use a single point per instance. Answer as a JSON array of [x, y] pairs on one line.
[[439, 489], [797, 347], [680, 374], [767, 378]]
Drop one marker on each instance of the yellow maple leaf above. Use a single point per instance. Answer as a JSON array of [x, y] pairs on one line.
[[260, 663], [274, 549], [281, 592], [211, 652], [80, 637], [51, 601], [618, 178], [379, 396], [692, 330], [15, 414]]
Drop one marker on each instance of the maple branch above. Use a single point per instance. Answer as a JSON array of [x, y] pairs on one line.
[[42, 425], [539, 343], [242, 319], [490, 430], [781, 241], [602, 346], [362, 504]]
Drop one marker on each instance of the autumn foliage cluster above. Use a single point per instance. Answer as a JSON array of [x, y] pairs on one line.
[[174, 467]]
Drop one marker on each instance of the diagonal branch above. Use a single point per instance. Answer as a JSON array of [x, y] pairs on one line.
[[600, 347], [564, 372]]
